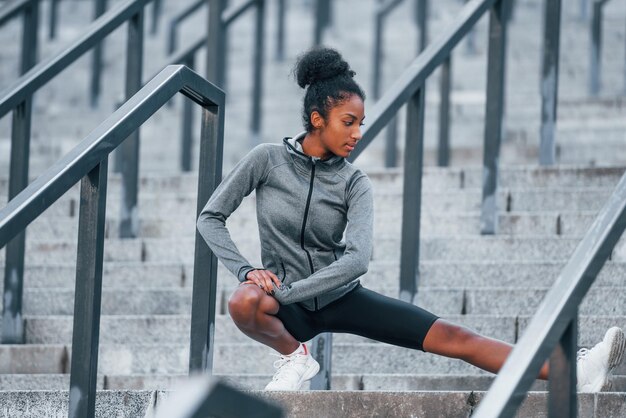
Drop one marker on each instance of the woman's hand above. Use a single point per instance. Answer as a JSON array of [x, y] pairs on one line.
[[265, 279]]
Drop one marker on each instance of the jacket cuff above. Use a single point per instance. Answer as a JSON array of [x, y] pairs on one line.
[[243, 272], [281, 293]]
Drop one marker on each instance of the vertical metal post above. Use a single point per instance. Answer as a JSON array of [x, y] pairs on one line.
[[52, 26], [96, 64], [471, 40], [584, 10], [88, 293], [443, 152], [156, 14], [186, 127], [257, 76], [321, 14], [280, 32], [378, 58], [12, 324], [562, 379], [493, 115], [321, 349], [215, 44], [412, 196], [205, 263], [596, 48], [129, 149], [549, 81]]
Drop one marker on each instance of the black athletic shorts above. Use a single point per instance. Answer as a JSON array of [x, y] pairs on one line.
[[361, 312]]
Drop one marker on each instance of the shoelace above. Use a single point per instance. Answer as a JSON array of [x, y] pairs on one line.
[[278, 364], [582, 353]]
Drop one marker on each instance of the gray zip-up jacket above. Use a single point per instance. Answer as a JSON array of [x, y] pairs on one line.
[[304, 206]]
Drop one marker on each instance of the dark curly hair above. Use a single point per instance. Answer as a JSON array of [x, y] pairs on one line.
[[329, 80]]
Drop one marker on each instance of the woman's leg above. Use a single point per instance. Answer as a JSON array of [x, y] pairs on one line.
[[253, 312], [447, 339]]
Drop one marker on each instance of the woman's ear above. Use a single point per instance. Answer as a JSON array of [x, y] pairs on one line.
[[317, 120]]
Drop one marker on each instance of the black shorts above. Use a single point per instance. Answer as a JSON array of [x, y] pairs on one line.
[[361, 312]]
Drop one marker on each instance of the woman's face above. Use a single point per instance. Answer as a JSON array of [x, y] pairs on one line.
[[341, 129]]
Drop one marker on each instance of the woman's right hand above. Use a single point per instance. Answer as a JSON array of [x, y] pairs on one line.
[[265, 279]]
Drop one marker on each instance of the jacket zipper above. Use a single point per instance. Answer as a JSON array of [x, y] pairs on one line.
[[306, 215]]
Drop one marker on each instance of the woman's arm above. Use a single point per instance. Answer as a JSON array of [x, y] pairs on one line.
[[355, 260], [239, 183]]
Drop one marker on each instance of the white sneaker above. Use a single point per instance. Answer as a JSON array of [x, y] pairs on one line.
[[594, 366], [293, 371]]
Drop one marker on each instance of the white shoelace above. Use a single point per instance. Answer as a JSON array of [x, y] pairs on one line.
[[278, 364]]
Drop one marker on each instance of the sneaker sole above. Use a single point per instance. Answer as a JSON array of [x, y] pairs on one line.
[[616, 355], [618, 344]]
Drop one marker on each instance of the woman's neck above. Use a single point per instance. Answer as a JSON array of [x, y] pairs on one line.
[[312, 146]]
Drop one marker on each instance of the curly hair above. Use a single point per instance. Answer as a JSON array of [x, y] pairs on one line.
[[329, 80]]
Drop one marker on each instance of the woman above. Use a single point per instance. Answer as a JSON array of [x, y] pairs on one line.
[[307, 197]]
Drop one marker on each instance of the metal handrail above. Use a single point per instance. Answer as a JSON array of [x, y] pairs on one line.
[[18, 98], [13, 9], [172, 38], [88, 161], [30, 11], [224, 17], [595, 50], [557, 316]]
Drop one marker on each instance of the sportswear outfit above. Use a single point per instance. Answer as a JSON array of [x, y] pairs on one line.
[[315, 221]]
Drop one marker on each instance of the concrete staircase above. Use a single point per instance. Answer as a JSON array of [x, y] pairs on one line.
[[492, 284]]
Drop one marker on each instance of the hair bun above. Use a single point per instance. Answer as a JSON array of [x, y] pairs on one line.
[[320, 64]]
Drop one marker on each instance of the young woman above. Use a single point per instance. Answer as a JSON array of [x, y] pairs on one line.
[[315, 216]]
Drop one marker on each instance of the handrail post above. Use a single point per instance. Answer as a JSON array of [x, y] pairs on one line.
[[550, 81], [12, 324], [321, 16], [280, 32], [52, 25], [493, 115], [204, 294], [215, 44], [562, 378], [257, 76], [186, 127], [96, 63], [322, 350], [412, 196], [443, 150], [470, 46], [88, 293], [129, 149], [156, 14], [584, 10], [596, 48]]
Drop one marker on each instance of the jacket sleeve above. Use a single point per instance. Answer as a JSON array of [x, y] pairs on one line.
[[355, 261], [211, 224]]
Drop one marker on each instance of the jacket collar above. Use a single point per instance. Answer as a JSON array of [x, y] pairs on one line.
[[294, 147]]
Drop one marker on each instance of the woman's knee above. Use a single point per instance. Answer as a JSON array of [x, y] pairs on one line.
[[244, 303]]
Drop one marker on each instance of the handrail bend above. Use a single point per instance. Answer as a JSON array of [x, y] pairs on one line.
[[18, 98], [88, 161]]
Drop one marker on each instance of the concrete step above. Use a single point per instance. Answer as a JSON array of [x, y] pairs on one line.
[[461, 274], [368, 381], [433, 223], [434, 178], [174, 329], [440, 300], [235, 358], [486, 248], [313, 404]]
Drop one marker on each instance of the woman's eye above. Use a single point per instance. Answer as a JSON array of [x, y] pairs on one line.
[[348, 123], [361, 124]]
